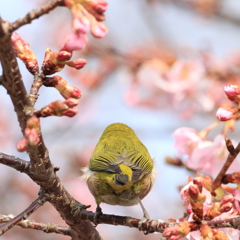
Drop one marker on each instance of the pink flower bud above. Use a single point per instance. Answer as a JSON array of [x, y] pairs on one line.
[[32, 137], [71, 92], [227, 199], [225, 114], [193, 191], [23, 52], [22, 145], [71, 102], [33, 122], [50, 64], [78, 63], [226, 207], [232, 92], [65, 89], [63, 56], [198, 183], [71, 112]]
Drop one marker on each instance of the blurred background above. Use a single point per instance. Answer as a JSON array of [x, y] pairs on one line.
[[162, 66]]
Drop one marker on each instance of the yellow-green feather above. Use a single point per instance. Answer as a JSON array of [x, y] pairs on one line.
[[119, 145]]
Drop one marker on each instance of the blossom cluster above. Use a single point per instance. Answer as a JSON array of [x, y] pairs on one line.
[[227, 113], [201, 207]]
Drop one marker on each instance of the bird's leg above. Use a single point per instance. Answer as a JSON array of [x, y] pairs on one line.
[[97, 214], [145, 214], [144, 219]]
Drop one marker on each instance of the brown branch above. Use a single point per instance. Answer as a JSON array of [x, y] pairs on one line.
[[12, 79], [45, 227], [41, 169], [231, 178], [14, 162], [23, 215], [231, 157], [34, 14], [37, 83]]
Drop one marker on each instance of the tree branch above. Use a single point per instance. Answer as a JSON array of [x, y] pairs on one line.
[[41, 169], [34, 14], [23, 215], [45, 227], [231, 156], [14, 162]]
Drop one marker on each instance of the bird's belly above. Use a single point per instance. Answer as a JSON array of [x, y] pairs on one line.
[[126, 198]]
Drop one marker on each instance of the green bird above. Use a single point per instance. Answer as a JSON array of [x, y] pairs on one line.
[[120, 171]]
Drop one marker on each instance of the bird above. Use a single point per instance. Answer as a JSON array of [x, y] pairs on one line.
[[121, 170]]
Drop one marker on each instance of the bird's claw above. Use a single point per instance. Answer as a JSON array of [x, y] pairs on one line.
[[140, 225], [97, 214]]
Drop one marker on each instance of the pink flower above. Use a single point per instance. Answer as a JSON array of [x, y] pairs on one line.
[[86, 15], [210, 156], [99, 30], [225, 113], [186, 139]]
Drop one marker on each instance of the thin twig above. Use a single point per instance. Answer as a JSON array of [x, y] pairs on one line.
[[45, 227], [15, 162], [227, 164], [34, 14], [37, 83], [23, 215]]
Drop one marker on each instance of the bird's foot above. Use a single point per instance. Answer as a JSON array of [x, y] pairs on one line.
[[97, 215], [140, 224]]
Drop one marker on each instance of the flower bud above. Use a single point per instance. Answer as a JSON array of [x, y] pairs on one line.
[[78, 63], [33, 122], [71, 102], [63, 56], [225, 113], [71, 112], [232, 92], [50, 63], [22, 145], [23, 52]]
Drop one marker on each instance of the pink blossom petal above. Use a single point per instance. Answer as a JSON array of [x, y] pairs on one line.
[[185, 140], [75, 41]]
